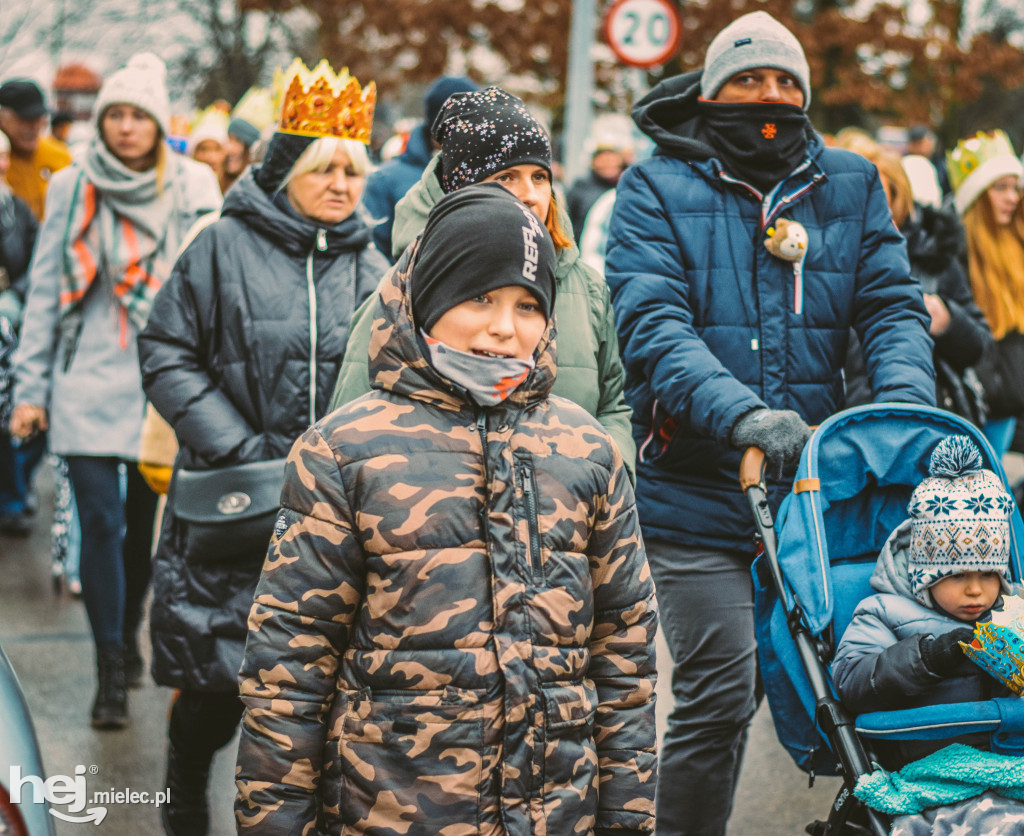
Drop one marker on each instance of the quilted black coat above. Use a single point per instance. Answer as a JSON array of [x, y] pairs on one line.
[[228, 359]]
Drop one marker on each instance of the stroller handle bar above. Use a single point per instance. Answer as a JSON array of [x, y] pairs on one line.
[[752, 468], [831, 717]]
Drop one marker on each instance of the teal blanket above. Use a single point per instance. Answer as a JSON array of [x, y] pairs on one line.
[[953, 774]]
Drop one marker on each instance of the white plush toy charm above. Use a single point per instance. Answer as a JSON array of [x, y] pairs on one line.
[[788, 240]]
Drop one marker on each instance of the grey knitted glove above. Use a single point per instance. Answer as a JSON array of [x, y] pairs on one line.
[[780, 433], [942, 654]]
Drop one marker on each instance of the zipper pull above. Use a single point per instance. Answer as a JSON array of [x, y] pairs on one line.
[[524, 474], [798, 287], [321, 239]]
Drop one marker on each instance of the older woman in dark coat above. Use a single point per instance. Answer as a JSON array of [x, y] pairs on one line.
[[240, 356]]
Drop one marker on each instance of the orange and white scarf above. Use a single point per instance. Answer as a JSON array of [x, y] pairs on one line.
[[124, 224]]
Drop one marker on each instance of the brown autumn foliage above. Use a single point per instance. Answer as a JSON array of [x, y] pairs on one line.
[[401, 41], [875, 68]]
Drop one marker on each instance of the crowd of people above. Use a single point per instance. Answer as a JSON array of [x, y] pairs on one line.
[[486, 468]]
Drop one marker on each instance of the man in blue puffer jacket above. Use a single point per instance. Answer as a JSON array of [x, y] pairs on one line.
[[739, 257]]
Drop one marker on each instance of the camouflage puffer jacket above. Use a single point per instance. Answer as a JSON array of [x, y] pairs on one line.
[[454, 629]]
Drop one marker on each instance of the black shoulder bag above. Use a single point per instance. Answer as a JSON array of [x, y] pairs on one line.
[[228, 513]]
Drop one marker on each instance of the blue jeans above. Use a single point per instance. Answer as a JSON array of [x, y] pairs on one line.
[[706, 598], [10, 500], [18, 464], [117, 541]]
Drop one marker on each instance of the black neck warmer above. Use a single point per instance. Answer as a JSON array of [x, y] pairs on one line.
[[758, 142]]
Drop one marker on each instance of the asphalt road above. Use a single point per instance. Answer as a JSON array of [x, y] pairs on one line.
[[45, 633]]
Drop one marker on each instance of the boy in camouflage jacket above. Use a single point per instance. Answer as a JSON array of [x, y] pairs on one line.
[[454, 630]]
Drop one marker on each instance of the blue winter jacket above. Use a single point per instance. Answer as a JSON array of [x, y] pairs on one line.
[[711, 325], [389, 183]]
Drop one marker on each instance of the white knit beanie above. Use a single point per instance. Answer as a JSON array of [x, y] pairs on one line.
[[754, 40], [142, 83]]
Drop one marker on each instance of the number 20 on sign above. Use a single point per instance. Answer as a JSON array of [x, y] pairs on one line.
[[643, 33]]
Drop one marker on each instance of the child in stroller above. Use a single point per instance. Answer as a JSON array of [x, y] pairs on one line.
[[940, 572]]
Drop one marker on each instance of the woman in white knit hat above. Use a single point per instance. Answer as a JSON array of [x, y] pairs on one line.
[[114, 221], [985, 174]]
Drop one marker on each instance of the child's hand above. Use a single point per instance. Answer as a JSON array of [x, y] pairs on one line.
[[942, 654]]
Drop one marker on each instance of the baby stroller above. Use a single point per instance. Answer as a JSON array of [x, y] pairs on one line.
[[851, 490]]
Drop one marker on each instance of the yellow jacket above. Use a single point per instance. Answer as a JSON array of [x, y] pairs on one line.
[[29, 177]]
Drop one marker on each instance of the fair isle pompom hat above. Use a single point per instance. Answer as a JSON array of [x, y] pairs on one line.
[[484, 132], [960, 519], [142, 82], [754, 40]]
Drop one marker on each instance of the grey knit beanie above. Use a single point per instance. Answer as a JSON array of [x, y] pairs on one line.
[[754, 40]]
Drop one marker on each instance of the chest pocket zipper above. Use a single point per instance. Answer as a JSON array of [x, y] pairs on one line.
[[529, 488]]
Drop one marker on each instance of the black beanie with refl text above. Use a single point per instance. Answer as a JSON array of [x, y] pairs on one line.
[[476, 240]]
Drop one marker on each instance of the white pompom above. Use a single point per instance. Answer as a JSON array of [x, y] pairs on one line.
[[955, 455], [147, 62]]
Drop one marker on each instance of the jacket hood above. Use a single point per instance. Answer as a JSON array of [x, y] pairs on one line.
[[891, 573], [397, 361], [418, 148], [412, 210], [291, 232], [668, 115]]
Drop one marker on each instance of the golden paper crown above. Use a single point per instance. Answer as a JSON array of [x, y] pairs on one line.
[[208, 124], [211, 119], [970, 154], [323, 103], [257, 107]]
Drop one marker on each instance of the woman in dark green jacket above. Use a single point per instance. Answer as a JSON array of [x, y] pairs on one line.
[[489, 135]]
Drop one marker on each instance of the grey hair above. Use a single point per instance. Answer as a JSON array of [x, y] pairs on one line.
[[318, 156]]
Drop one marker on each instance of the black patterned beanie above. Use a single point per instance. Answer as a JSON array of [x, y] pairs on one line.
[[960, 518], [484, 132]]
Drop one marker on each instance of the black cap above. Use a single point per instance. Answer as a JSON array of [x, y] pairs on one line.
[[245, 132], [918, 132], [24, 97]]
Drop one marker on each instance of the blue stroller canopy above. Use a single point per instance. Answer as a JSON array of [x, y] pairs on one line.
[[851, 491]]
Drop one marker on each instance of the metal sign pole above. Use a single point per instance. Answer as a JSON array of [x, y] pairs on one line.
[[579, 94]]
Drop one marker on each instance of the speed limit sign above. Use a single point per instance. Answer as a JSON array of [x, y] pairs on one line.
[[643, 33]]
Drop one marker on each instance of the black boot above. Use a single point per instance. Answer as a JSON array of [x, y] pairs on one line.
[[110, 708], [186, 812], [134, 666]]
